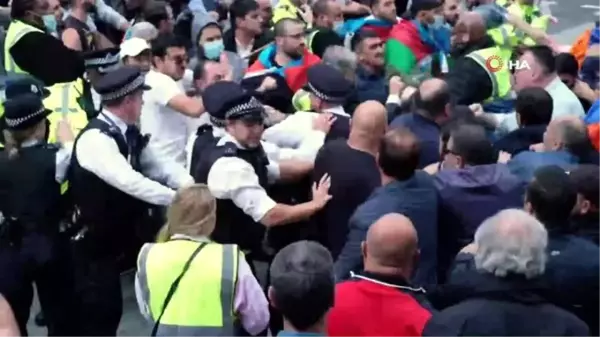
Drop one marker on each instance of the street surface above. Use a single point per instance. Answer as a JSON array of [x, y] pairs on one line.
[[574, 17]]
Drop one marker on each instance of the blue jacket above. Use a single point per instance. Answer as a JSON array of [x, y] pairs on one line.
[[415, 198], [521, 139], [526, 163], [370, 86]]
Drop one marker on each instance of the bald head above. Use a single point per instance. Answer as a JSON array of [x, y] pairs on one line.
[[569, 133], [469, 27], [391, 242], [369, 120]]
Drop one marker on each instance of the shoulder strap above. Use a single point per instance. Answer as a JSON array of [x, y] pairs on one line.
[[175, 285]]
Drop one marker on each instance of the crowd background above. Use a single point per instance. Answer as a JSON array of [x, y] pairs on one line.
[[449, 196]]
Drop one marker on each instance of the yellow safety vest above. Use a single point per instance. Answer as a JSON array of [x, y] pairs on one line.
[[301, 101], [202, 305], [63, 101], [310, 38], [501, 86], [507, 35], [16, 30]]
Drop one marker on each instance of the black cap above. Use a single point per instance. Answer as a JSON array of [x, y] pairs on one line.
[[120, 82], [327, 83], [102, 60], [24, 111], [586, 180], [21, 84], [228, 100]]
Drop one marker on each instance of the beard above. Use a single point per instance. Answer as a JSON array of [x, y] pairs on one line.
[[294, 54]]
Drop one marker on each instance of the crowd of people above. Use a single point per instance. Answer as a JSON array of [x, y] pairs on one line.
[[403, 169]]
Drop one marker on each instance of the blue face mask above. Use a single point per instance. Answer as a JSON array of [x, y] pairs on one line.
[[438, 22], [213, 49], [50, 23]]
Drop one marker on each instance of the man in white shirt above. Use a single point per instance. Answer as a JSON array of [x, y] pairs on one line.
[[111, 192], [540, 72], [168, 114], [237, 170], [328, 89], [216, 107]]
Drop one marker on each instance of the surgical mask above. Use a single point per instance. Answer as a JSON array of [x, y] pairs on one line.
[[338, 27], [438, 22], [50, 23], [213, 49]]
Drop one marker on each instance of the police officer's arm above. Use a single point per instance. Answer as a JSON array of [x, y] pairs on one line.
[[99, 154], [168, 171], [234, 179], [8, 324], [290, 131], [63, 64], [71, 39]]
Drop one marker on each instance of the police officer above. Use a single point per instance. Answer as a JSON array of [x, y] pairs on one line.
[[208, 134], [110, 159], [31, 173], [237, 172], [327, 90]]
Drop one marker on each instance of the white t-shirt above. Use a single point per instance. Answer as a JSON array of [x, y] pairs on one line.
[[168, 128]]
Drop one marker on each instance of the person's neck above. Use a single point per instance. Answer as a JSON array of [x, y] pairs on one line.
[[544, 82], [243, 37], [375, 268], [281, 59], [119, 114], [318, 328], [361, 143], [79, 14], [386, 179], [370, 69]]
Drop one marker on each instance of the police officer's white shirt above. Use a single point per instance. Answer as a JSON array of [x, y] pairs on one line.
[[307, 150], [169, 129], [234, 179], [63, 159], [290, 132], [99, 154]]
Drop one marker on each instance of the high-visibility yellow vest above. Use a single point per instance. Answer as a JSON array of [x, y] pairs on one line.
[[501, 86], [63, 102], [301, 101], [16, 30], [309, 39], [202, 305]]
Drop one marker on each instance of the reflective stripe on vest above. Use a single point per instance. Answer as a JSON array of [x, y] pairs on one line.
[[500, 79], [16, 30], [193, 308], [309, 40], [500, 35]]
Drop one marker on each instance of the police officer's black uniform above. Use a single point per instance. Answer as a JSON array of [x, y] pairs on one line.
[[31, 248]]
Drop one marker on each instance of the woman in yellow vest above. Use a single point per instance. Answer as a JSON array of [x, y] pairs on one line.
[[187, 285]]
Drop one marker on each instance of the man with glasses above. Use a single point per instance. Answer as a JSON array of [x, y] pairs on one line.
[[169, 115]]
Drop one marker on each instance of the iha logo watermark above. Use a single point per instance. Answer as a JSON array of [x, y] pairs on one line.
[[495, 63]]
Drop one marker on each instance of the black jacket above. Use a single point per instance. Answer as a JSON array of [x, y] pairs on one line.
[[521, 139]]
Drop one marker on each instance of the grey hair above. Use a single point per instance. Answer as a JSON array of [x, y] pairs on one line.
[[341, 58], [512, 241], [144, 30]]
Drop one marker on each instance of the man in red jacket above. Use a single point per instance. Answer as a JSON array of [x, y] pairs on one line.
[[380, 300]]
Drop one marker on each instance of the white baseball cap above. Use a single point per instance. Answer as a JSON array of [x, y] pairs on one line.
[[133, 47]]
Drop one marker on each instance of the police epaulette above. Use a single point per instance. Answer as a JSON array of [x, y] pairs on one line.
[[52, 146], [203, 128], [230, 149]]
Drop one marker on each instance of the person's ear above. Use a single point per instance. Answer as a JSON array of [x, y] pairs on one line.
[[585, 207], [363, 249], [271, 296], [528, 208], [460, 162]]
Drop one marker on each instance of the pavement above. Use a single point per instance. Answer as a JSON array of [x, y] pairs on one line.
[[573, 18]]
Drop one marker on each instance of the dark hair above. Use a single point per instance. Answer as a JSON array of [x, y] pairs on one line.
[[19, 8], [567, 64], [163, 42], [435, 104], [543, 55], [282, 26], [534, 106], [552, 196], [471, 143], [239, 9], [399, 154], [155, 12], [302, 283], [360, 36], [586, 180]]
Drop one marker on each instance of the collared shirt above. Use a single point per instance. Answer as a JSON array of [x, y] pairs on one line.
[[295, 128], [250, 303], [564, 100], [235, 179], [306, 151], [170, 129], [63, 159], [99, 154]]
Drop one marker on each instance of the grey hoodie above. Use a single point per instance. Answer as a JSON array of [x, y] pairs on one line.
[[238, 65]]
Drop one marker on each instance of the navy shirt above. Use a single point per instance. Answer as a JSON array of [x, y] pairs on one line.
[[428, 133], [370, 86]]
